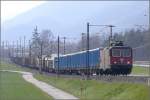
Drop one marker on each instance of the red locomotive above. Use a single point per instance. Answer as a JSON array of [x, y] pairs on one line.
[[117, 59]]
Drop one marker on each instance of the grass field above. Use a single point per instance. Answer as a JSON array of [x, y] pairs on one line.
[[14, 87], [140, 70], [91, 89], [7, 66]]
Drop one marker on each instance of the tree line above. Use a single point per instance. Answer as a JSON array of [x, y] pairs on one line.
[[138, 39]]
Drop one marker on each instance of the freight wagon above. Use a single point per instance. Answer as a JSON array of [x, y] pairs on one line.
[[116, 59], [77, 62]]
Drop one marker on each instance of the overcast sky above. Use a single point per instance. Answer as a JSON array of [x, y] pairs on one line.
[[10, 9], [97, 12]]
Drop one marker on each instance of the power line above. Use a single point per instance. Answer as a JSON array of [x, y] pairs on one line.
[[88, 69], [141, 46]]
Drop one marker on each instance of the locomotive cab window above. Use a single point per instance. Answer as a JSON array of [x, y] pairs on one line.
[[126, 52], [116, 52]]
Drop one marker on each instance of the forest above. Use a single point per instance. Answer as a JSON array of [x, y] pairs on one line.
[[138, 39]]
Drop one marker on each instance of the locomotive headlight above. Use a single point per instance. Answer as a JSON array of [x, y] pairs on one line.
[[115, 62], [128, 62]]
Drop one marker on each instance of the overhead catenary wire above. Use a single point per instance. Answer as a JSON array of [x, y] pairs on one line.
[[141, 46]]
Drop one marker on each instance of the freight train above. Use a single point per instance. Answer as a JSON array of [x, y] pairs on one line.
[[115, 59]]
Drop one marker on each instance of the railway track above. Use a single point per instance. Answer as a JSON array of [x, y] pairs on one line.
[[128, 79], [142, 79]]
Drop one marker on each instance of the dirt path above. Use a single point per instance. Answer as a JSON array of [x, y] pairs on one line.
[[50, 90]]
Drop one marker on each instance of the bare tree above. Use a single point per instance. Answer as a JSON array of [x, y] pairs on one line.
[[42, 41], [47, 39], [35, 43], [96, 41]]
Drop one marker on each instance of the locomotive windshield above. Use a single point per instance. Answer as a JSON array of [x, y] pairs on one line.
[[121, 52], [116, 52], [126, 52]]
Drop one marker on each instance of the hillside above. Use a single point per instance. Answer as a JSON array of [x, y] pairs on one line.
[[69, 18]]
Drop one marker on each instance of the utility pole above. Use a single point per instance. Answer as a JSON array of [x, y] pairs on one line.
[[41, 57], [23, 51], [0, 49], [20, 47], [110, 38], [24, 46], [8, 49], [3, 49], [149, 55], [5, 52], [87, 48], [13, 49], [17, 49], [64, 45], [30, 52], [110, 26], [51, 47], [87, 55], [83, 41], [58, 59]]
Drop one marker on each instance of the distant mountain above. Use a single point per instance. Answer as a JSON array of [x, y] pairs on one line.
[[70, 18]]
